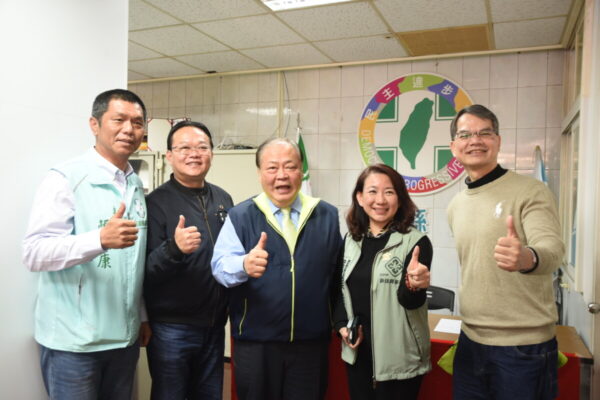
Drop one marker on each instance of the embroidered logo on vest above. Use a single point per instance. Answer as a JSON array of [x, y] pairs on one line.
[[394, 266], [139, 208]]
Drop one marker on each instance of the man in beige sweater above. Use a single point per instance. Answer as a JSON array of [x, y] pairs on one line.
[[507, 236]]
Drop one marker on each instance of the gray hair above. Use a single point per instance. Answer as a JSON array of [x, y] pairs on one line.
[[277, 140]]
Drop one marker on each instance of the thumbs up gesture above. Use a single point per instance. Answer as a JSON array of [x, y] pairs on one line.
[[118, 233], [255, 262], [187, 239], [509, 253], [418, 274]]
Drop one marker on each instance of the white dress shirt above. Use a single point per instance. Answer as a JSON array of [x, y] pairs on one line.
[[49, 244], [228, 255]]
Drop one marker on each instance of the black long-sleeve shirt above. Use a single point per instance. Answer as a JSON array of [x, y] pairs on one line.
[[359, 282], [180, 288]]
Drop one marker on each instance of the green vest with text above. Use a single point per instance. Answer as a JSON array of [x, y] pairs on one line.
[[401, 347], [95, 306]]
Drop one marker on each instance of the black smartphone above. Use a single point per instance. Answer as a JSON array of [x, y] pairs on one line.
[[353, 329]]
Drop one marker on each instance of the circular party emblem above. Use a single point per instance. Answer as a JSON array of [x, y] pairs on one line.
[[412, 116]]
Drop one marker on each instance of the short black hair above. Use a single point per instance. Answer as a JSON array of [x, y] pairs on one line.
[[102, 101], [273, 140], [479, 111], [183, 124]]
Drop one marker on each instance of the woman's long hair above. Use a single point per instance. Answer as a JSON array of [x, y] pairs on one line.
[[358, 220]]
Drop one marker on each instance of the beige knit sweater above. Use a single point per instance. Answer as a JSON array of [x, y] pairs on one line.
[[499, 307]]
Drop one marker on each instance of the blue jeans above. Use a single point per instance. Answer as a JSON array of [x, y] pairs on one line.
[[103, 375], [505, 372], [186, 362]]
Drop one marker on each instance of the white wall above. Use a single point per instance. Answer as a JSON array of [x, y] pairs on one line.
[[56, 56]]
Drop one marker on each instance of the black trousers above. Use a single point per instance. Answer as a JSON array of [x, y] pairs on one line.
[[280, 371], [362, 387]]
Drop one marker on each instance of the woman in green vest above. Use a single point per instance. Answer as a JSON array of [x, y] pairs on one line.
[[381, 310]]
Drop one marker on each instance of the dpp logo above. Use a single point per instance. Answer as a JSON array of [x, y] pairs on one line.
[[412, 116]]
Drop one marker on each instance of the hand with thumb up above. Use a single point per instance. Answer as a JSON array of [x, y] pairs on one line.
[[509, 253], [255, 262], [418, 274], [118, 233], [187, 239]]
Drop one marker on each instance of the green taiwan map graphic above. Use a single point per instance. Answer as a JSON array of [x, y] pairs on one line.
[[414, 133]]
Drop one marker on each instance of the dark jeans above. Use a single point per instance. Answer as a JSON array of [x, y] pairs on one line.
[[280, 371], [186, 362], [360, 380], [505, 372], [102, 375]]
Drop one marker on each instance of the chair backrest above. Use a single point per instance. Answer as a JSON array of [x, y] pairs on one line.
[[438, 298]]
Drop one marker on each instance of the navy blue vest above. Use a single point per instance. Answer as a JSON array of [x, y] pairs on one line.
[[285, 305]]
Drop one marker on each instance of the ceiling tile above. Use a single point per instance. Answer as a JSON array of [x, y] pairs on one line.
[[209, 10], [221, 62], [135, 76], [162, 67], [367, 48], [456, 39], [415, 15], [142, 15], [137, 52], [233, 35], [515, 10], [540, 32], [176, 40], [248, 32], [287, 56], [335, 22]]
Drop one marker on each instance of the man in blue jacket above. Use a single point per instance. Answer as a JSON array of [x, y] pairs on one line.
[[87, 240], [278, 251], [186, 306]]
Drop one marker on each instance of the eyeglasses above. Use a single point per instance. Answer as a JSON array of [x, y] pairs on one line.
[[466, 135], [187, 150]]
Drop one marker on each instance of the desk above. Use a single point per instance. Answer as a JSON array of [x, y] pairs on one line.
[[437, 384]]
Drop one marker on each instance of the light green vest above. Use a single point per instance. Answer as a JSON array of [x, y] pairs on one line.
[[401, 347], [308, 205], [95, 306]]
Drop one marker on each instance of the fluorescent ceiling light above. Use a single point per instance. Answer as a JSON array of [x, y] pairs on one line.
[[278, 5]]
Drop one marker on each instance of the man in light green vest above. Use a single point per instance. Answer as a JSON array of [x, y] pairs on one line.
[[87, 238]]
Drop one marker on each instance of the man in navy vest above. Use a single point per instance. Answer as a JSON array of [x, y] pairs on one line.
[[87, 240], [277, 252]]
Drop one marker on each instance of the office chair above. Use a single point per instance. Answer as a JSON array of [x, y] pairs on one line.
[[438, 298]]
